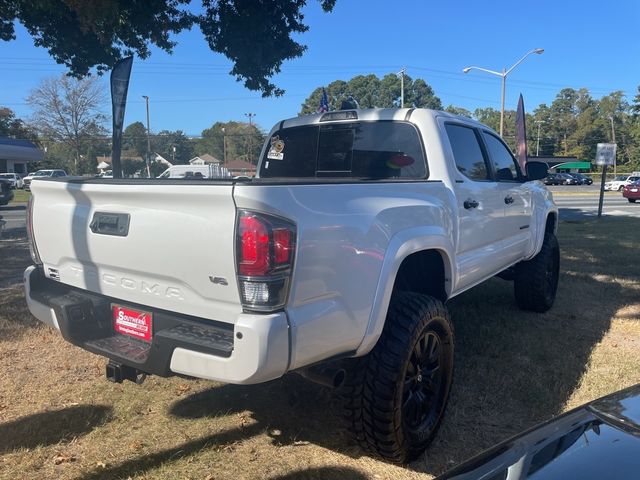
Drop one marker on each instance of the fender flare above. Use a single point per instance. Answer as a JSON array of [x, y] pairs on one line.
[[400, 247]]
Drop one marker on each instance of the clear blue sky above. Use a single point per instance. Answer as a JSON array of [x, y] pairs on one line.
[[590, 44]]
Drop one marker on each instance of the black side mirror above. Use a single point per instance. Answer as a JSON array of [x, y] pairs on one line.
[[536, 170]]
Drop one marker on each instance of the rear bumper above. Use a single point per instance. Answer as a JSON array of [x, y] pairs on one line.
[[253, 350]]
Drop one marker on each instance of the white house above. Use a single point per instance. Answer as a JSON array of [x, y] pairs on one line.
[[16, 154], [204, 159]]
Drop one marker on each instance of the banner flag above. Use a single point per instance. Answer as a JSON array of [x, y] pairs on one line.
[[119, 88], [521, 135]]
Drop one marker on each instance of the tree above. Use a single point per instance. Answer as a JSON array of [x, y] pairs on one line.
[[255, 35], [458, 111], [13, 127], [166, 140], [371, 92], [69, 111], [240, 140], [134, 138]]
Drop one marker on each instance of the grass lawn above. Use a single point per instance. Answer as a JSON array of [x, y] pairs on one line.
[[59, 417], [20, 195]]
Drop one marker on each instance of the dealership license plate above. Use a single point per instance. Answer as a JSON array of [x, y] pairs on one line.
[[634, 189], [131, 322]]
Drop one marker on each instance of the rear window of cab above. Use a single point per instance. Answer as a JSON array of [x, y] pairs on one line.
[[357, 150]]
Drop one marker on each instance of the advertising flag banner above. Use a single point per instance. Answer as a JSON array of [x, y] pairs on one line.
[[521, 134], [324, 102], [119, 88]]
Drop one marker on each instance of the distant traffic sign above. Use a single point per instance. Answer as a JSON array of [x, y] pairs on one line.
[[606, 154]]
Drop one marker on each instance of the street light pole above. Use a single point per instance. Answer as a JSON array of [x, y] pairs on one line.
[[539, 122], [146, 97], [504, 74], [250, 115]]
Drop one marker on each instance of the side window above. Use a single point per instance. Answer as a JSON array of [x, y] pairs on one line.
[[467, 152], [505, 166]]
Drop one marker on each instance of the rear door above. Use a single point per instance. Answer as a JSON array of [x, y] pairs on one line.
[[481, 225]]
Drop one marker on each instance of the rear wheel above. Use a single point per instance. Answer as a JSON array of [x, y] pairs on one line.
[[632, 200], [396, 395], [536, 280]]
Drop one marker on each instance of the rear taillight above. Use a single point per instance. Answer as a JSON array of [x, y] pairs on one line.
[[265, 249], [35, 256]]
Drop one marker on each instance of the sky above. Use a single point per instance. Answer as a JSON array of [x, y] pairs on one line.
[[591, 44]]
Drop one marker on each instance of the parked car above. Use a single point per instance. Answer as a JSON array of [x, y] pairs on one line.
[[582, 179], [560, 179], [632, 191], [620, 181], [14, 178], [595, 441], [43, 174], [6, 191]]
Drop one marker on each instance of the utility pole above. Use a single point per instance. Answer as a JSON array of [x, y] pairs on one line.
[[401, 75], [224, 147], [250, 115], [146, 97], [539, 122], [613, 140], [173, 155]]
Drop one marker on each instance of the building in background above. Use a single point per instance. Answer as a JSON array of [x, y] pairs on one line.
[[15, 155], [204, 159], [241, 168]]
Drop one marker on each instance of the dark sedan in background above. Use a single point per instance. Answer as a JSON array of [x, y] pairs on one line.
[[632, 191], [600, 440], [6, 193], [582, 179], [560, 179]]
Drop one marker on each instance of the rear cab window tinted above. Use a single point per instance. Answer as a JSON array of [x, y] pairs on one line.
[[356, 150], [467, 153]]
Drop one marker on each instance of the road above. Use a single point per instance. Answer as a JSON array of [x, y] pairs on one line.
[[15, 216], [581, 203]]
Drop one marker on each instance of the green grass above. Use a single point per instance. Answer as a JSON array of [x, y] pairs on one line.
[[20, 195], [59, 417]]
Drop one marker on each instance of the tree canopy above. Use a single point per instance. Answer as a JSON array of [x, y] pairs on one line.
[[369, 91], [255, 35]]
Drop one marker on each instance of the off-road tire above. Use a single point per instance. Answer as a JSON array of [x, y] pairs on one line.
[[536, 280], [410, 367]]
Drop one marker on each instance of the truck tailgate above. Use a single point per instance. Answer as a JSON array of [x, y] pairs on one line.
[[180, 238]]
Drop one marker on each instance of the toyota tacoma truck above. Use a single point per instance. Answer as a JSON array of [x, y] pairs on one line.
[[335, 261]]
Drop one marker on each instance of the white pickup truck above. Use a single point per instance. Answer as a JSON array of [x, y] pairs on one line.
[[335, 261]]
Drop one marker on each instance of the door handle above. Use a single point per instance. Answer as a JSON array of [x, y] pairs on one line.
[[508, 200], [469, 204]]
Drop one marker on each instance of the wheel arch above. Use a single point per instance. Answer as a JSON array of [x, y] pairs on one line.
[[429, 248]]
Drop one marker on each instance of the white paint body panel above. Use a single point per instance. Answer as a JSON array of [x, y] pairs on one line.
[[352, 240]]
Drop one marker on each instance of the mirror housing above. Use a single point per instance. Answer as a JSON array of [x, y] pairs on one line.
[[536, 170]]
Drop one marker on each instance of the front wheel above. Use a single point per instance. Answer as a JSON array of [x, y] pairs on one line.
[[631, 200], [396, 395], [536, 280]]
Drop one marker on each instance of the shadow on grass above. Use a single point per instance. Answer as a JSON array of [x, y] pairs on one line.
[[513, 368], [323, 473], [52, 427]]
